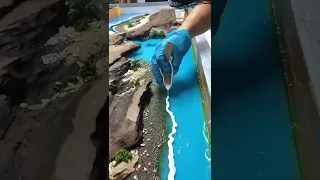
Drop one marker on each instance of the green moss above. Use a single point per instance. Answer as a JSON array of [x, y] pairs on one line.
[[137, 21], [88, 72], [162, 34], [137, 83], [123, 156], [135, 65], [81, 25], [130, 24], [86, 11], [157, 33], [153, 33]]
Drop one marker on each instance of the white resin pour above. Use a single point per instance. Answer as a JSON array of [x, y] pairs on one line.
[[172, 168], [167, 81]]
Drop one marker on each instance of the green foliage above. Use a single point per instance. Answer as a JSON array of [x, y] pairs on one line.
[[123, 156], [153, 33], [157, 33], [162, 34], [137, 83], [88, 71], [86, 10], [81, 25], [135, 65], [130, 24], [137, 21]]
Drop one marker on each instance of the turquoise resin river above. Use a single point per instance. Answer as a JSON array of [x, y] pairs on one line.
[[252, 137], [190, 144]]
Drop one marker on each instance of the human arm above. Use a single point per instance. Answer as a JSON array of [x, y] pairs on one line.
[[198, 21]]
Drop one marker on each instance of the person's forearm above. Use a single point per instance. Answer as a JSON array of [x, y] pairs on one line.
[[198, 21]]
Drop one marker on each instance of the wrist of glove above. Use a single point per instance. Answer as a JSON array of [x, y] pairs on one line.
[[181, 41]]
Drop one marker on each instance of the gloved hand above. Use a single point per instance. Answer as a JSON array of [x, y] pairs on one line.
[[181, 41]]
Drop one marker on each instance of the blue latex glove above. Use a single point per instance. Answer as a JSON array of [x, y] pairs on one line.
[[181, 41]]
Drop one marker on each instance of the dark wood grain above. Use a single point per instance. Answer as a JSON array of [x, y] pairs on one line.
[[299, 35]]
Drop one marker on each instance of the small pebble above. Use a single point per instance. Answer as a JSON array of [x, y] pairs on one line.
[[149, 163], [135, 177], [154, 171], [142, 145], [145, 169], [58, 83], [23, 105]]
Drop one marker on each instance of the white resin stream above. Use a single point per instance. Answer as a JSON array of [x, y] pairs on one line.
[[170, 141], [167, 81]]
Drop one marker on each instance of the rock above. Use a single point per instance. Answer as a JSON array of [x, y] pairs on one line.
[[8, 5], [61, 64], [84, 122], [165, 18], [44, 102], [124, 130], [5, 61], [53, 58], [6, 115], [116, 39], [118, 69], [123, 170], [102, 65], [38, 137], [135, 177], [64, 35], [20, 30], [24, 26], [94, 45], [117, 51]]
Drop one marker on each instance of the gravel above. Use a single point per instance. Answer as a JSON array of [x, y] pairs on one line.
[[154, 136]]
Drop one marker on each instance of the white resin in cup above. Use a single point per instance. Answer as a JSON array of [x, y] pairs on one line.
[[167, 78]]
